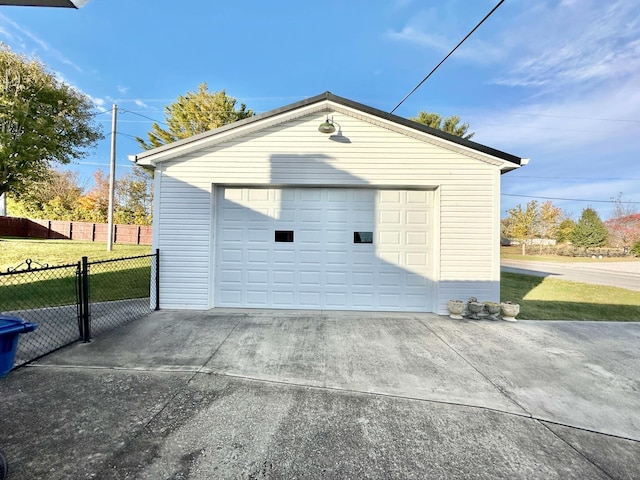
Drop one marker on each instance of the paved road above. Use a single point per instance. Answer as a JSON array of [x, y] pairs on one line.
[[615, 274]]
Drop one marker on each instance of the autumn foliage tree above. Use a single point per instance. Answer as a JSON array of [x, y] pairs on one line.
[[624, 224], [542, 221], [62, 197]]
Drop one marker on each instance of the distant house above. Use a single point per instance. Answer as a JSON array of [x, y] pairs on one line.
[[377, 213]]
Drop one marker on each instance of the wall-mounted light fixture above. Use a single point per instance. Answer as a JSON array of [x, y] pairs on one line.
[[327, 126]]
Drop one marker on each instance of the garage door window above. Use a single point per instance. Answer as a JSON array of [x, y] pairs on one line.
[[284, 236], [362, 237]]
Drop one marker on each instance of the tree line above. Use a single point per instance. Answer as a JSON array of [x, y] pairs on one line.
[[61, 196], [542, 221]]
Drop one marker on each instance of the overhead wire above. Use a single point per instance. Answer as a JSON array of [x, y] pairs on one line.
[[143, 116], [568, 199], [448, 55]]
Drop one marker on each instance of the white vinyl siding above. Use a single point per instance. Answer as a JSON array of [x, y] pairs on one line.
[[294, 153]]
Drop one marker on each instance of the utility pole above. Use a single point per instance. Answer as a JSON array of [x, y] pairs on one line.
[[112, 178]]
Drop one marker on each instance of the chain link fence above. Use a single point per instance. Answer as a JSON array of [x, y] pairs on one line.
[[44, 295], [76, 302]]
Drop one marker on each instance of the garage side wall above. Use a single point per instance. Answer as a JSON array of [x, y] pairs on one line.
[[364, 154]]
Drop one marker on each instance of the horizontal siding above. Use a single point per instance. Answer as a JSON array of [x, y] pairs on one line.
[[295, 153], [184, 233]]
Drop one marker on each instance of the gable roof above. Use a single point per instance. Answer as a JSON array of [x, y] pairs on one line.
[[147, 156]]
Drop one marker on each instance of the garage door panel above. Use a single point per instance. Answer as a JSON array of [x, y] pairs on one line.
[[308, 236], [324, 267], [336, 257], [336, 279], [257, 277], [335, 299], [337, 215], [362, 279], [309, 257], [310, 277], [257, 256], [257, 298], [310, 299], [283, 257], [283, 298], [286, 215], [230, 297], [337, 195], [416, 217], [311, 215], [336, 237], [258, 235], [284, 277], [233, 235]]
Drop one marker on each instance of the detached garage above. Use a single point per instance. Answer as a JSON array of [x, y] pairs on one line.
[[376, 213]]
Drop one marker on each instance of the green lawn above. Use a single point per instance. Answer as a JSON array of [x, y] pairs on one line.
[[547, 298], [14, 251], [109, 281]]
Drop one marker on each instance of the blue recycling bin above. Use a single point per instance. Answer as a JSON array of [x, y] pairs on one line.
[[10, 330]]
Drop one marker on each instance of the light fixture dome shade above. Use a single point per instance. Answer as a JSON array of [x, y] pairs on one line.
[[327, 127]]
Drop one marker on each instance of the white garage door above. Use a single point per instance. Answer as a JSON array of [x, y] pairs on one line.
[[324, 248]]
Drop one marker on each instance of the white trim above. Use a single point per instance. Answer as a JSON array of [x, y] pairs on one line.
[[436, 255], [213, 236], [155, 232], [495, 245], [323, 106]]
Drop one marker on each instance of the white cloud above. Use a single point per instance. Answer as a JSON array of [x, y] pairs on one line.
[[140, 103], [573, 43], [122, 90], [609, 117], [429, 40], [441, 32]]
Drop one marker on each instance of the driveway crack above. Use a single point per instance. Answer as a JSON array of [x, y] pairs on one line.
[[500, 389]]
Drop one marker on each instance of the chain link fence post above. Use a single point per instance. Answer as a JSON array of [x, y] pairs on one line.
[[83, 301]]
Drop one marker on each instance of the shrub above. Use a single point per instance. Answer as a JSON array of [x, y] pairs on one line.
[[635, 250]]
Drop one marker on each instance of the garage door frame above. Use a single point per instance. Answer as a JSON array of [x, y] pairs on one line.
[[433, 232]]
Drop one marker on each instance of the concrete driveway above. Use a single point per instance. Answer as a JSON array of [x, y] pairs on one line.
[[272, 394]]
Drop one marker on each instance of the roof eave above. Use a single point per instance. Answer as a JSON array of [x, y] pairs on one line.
[[147, 158]]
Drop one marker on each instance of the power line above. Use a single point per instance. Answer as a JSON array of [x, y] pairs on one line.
[[575, 118], [144, 116], [579, 178], [566, 199], [450, 53], [100, 113], [126, 135]]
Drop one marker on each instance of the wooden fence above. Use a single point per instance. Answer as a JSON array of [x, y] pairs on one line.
[[59, 229]]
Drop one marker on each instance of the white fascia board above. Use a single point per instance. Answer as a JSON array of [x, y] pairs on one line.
[[227, 134], [425, 137]]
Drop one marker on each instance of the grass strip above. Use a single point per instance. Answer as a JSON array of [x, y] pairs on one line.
[[547, 298], [18, 293]]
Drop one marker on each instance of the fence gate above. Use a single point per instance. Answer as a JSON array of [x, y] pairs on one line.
[[77, 301]]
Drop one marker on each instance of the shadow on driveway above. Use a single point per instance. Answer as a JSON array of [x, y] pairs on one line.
[[276, 394]]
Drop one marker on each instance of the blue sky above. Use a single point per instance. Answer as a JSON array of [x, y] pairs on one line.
[[556, 81]]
